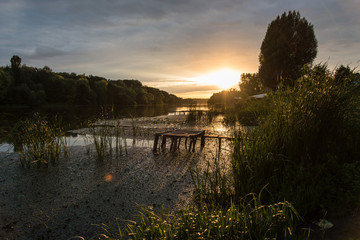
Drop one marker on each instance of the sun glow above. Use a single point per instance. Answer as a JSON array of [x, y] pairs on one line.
[[224, 78]]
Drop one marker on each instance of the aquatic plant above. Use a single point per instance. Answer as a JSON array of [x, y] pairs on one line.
[[107, 134], [40, 141]]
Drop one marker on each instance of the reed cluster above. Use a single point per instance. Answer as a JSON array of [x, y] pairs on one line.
[[107, 136], [305, 148], [40, 141], [249, 219]]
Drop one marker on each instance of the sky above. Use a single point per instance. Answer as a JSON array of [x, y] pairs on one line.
[[191, 48]]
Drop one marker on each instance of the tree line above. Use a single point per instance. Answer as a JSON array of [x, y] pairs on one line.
[[24, 85]]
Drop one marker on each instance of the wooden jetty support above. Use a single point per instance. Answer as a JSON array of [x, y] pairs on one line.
[[186, 112], [176, 136]]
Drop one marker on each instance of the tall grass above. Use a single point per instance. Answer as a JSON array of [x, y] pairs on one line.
[[107, 136], [40, 141], [213, 186], [306, 148], [248, 220], [200, 116]]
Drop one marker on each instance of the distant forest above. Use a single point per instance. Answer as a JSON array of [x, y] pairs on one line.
[[23, 85]]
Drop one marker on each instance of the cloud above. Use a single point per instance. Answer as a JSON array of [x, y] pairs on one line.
[[190, 88], [45, 52], [156, 40]]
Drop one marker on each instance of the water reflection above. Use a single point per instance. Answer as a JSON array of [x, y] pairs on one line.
[[87, 140], [77, 117]]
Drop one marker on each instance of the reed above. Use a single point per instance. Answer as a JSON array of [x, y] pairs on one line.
[[307, 139], [40, 141], [213, 186], [108, 134], [248, 220]]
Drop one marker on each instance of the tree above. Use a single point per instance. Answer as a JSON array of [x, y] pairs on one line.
[[5, 82], [289, 44], [250, 84], [15, 67]]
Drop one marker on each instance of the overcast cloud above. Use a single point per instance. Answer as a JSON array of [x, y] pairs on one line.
[[159, 41]]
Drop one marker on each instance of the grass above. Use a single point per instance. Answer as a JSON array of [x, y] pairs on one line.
[[305, 148], [200, 116], [247, 220], [39, 141], [107, 136]]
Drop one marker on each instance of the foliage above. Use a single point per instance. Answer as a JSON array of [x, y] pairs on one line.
[[250, 220], [23, 85], [250, 84], [15, 68], [224, 98], [39, 141], [5, 83], [247, 111], [305, 146], [289, 44]]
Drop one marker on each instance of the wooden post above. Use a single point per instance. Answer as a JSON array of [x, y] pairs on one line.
[[173, 146], [219, 144], [163, 143], [156, 142], [178, 145], [191, 142], [194, 143], [202, 139], [172, 143]]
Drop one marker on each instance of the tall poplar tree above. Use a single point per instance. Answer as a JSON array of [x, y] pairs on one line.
[[289, 44]]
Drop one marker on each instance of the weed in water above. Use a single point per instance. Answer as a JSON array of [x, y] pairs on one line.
[[107, 134], [40, 141]]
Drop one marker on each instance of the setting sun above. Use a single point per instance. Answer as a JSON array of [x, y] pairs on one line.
[[224, 78]]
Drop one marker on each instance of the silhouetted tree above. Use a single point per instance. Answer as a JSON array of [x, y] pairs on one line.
[[346, 76], [250, 84], [224, 98], [40, 86], [5, 82], [15, 67], [289, 44]]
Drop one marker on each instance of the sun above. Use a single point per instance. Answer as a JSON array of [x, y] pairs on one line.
[[224, 78]]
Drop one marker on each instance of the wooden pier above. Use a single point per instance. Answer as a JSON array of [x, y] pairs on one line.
[[176, 137]]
